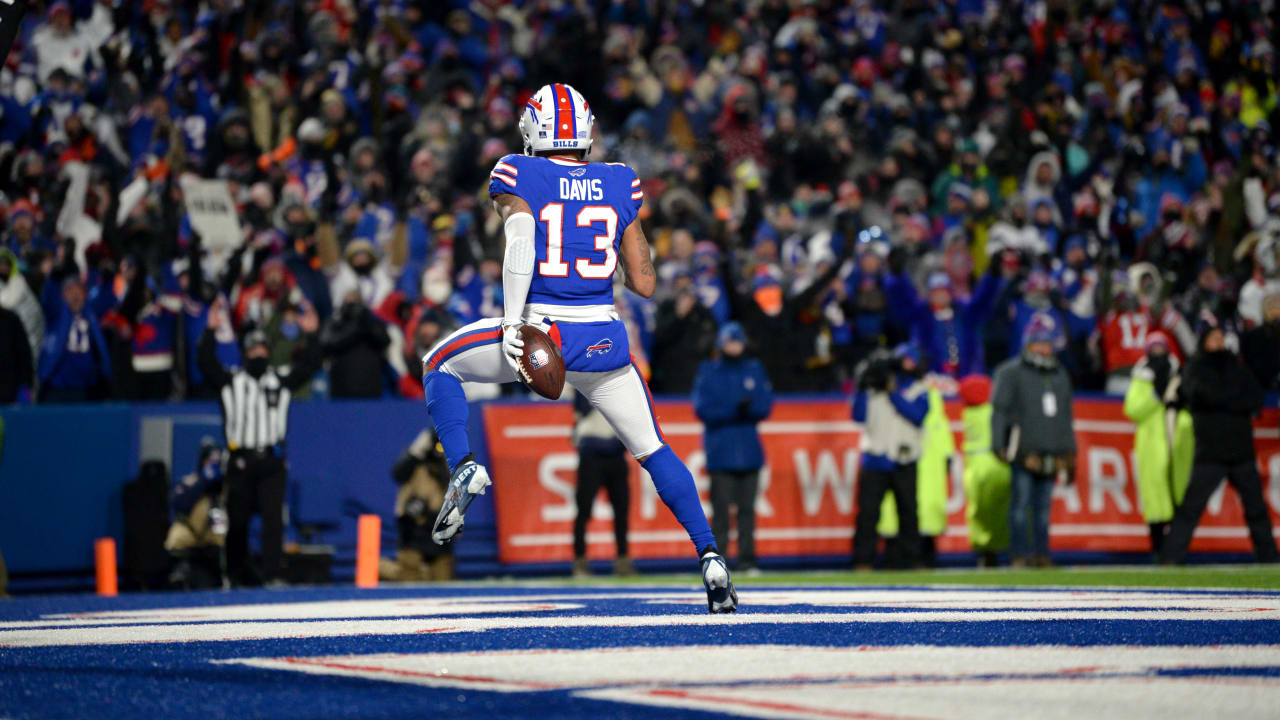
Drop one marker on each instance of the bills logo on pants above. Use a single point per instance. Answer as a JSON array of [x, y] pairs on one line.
[[473, 353]]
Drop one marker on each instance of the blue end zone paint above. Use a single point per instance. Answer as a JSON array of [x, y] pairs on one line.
[[180, 680]]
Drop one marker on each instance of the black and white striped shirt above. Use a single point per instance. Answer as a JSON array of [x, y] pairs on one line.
[[255, 412]]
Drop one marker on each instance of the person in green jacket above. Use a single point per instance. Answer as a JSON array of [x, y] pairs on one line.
[[986, 476], [937, 448], [1163, 444], [970, 171]]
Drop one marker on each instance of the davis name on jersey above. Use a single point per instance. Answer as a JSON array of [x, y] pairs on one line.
[[581, 210], [592, 189]]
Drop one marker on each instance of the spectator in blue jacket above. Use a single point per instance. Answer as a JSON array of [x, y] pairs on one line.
[[731, 395], [74, 361], [947, 329]]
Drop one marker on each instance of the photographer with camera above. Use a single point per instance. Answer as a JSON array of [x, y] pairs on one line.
[[1031, 427], [199, 528], [890, 405], [421, 474]]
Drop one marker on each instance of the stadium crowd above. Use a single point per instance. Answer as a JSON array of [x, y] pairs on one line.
[[835, 176]]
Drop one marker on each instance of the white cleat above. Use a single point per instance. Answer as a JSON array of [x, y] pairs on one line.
[[469, 480], [721, 597]]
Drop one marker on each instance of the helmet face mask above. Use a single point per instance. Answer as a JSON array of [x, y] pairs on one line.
[[556, 117]]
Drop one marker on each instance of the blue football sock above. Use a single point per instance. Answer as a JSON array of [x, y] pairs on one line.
[[447, 405], [675, 486]]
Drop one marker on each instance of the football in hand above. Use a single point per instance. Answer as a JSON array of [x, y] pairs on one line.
[[542, 365]]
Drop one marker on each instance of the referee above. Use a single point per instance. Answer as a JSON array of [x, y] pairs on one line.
[[255, 415]]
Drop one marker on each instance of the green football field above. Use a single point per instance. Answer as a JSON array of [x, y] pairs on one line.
[[1251, 577]]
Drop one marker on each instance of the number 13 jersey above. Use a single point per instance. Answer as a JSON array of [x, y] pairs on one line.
[[581, 210]]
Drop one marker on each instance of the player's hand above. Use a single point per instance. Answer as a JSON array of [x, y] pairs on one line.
[[512, 345]]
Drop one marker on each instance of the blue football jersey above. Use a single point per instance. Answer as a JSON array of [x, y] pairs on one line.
[[581, 210]]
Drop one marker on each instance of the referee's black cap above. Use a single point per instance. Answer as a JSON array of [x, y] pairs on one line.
[[254, 338]]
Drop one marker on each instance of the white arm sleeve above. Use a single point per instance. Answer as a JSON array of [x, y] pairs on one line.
[[517, 266]]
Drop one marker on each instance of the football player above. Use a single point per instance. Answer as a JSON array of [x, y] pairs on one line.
[[569, 223]]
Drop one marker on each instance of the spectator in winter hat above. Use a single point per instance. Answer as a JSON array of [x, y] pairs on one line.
[[1015, 231], [968, 170], [865, 301], [74, 361], [1260, 346], [363, 272], [1265, 279], [946, 328], [354, 341], [1047, 222], [683, 335], [1177, 174], [24, 238], [766, 312], [302, 258], [16, 296], [959, 204], [59, 44], [1205, 296], [1172, 245]]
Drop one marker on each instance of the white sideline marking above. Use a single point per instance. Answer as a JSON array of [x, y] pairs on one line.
[[406, 608], [404, 616], [323, 610], [862, 682], [224, 632]]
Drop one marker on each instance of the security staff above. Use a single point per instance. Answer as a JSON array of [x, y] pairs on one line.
[[731, 396], [1163, 443], [255, 415], [1031, 426]]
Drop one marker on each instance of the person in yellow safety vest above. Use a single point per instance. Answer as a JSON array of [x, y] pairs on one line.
[[1164, 443], [937, 449], [986, 476]]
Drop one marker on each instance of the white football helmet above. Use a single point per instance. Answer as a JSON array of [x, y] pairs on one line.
[[556, 117]]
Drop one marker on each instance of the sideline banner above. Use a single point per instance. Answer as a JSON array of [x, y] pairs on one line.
[[806, 502]]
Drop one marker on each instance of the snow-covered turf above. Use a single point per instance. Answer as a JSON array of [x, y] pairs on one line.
[[478, 650]]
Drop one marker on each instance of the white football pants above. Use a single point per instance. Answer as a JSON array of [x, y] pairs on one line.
[[620, 395]]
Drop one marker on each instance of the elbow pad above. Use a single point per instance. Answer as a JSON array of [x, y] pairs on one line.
[[517, 265]]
